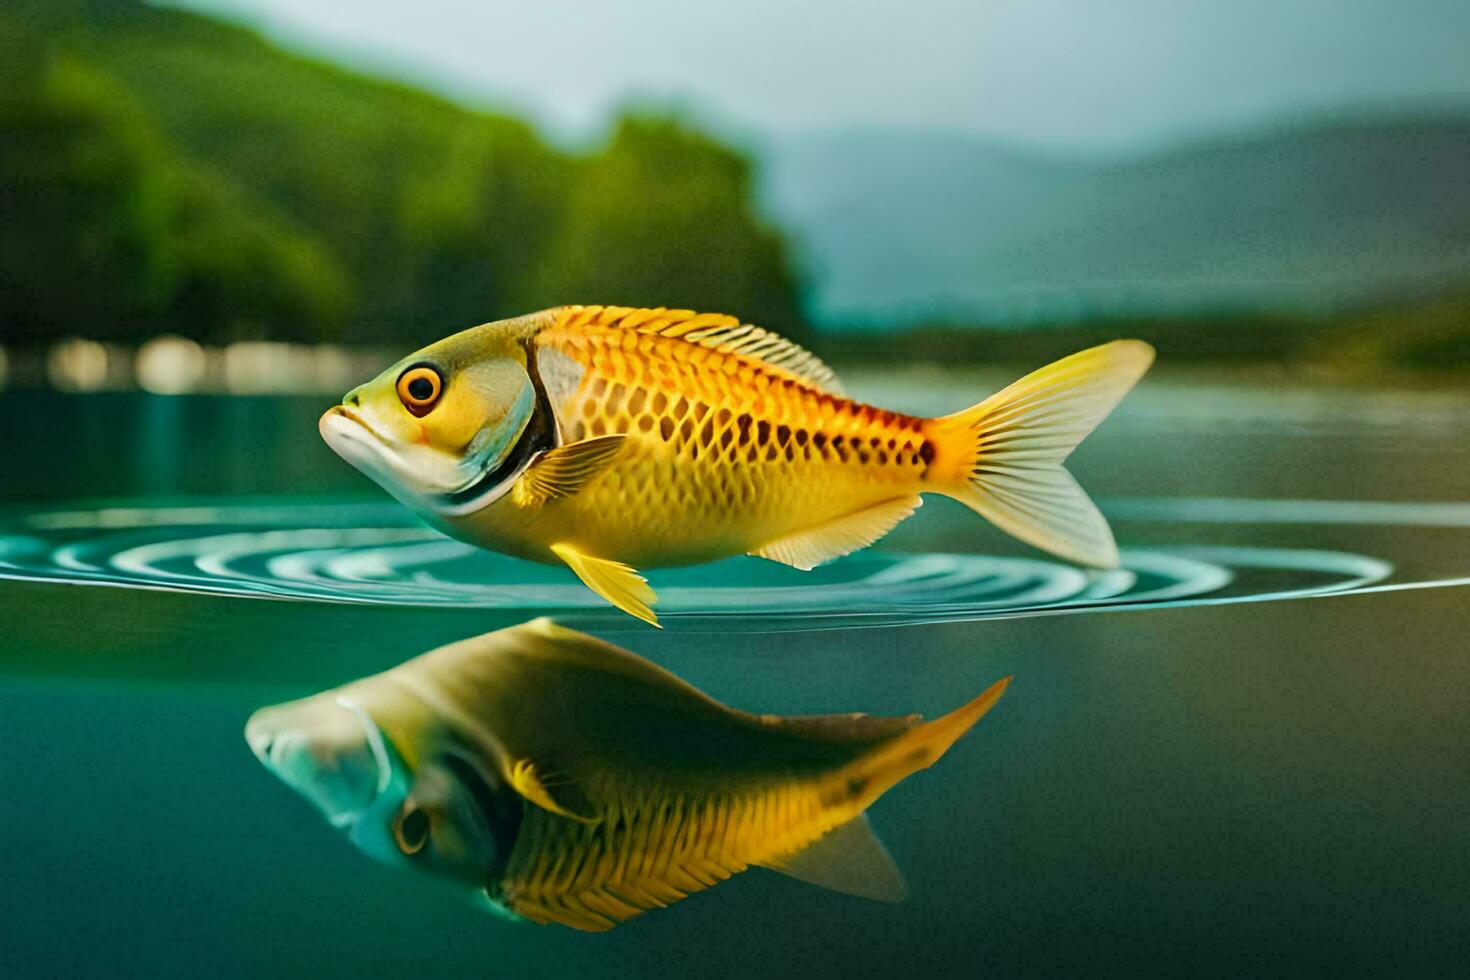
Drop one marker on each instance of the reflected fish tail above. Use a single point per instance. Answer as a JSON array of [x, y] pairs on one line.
[[918, 748], [1003, 457], [849, 857]]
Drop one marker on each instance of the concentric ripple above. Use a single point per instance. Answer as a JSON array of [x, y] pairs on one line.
[[372, 553]]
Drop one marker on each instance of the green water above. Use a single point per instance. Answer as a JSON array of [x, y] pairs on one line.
[[1262, 786]]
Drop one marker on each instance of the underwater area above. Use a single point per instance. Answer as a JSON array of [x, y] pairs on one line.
[[1244, 750]]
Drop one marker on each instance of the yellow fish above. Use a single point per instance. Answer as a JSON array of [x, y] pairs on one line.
[[556, 778], [612, 438]]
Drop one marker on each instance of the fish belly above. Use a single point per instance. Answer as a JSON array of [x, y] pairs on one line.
[[670, 512]]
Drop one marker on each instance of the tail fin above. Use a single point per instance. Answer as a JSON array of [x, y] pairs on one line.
[[1008, 450], [918, 748], [850, 858]]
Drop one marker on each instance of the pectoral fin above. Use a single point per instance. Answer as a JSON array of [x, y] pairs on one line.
[[852, 532], [561, 797], [562, 471], [619, 584], [850, 859]]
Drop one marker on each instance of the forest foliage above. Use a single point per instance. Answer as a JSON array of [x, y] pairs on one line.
[[163, 172]]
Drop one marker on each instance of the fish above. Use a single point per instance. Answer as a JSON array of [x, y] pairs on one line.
[[612, 439], [551, 777]]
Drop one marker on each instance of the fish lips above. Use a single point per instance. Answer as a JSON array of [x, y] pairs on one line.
[[331, 753], [355, 441]]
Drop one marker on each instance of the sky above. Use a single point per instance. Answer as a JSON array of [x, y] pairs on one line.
[[1079, 75]]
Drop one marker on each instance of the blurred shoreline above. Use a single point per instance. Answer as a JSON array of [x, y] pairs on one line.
[[172, 365]]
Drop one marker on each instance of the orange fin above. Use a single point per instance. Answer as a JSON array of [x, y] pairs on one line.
[[1010, 450], [809, 548], [562, 471], [616, 582], [715, 331]]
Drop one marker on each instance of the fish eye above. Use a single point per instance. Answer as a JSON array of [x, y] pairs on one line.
[[411, 830], [419, 388]]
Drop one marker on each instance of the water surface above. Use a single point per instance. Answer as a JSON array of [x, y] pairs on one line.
[[1254, 763]]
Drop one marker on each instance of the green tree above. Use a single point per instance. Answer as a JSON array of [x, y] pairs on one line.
[[83, 205], [664, 216], [244, 271], [163, 170]]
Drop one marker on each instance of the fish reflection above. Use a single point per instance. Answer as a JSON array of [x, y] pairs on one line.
[[554, 777]]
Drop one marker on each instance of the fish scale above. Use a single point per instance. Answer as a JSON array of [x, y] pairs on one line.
[[741, 449], [656, 850]]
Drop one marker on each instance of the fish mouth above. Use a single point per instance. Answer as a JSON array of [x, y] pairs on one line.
[[350, 436], [355, 441], [330, 752]]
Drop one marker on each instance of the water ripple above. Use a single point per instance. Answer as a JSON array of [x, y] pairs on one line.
[[372, 553]]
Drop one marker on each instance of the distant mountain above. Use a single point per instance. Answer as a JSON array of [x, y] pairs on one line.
[[901, 226], [889, 221]]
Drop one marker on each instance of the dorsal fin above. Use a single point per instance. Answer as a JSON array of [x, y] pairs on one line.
[[715, 331]]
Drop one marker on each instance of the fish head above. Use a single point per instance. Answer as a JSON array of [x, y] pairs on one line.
[[449, 427], [444, 816]]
